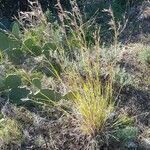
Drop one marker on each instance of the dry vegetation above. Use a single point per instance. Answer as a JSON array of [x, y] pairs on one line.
[[62, 87]]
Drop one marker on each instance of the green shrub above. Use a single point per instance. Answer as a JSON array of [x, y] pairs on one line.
[[122, 77], [127, 134]]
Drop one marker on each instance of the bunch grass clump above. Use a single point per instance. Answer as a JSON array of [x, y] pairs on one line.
[[93, 103], [92, 97]]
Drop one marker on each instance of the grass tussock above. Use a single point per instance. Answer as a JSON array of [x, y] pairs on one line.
[[92, 98], [92, 105]]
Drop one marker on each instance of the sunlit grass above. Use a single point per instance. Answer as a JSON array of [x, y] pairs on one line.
[[94, 107], [92, 98]]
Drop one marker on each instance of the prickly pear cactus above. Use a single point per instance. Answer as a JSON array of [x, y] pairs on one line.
[[13, 81], [36, 82], [16, 30], [31, 47], [2, 83], [47, 95], [19, 94], [16, 56], [11, 84], [4, 41], [8, 42]]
